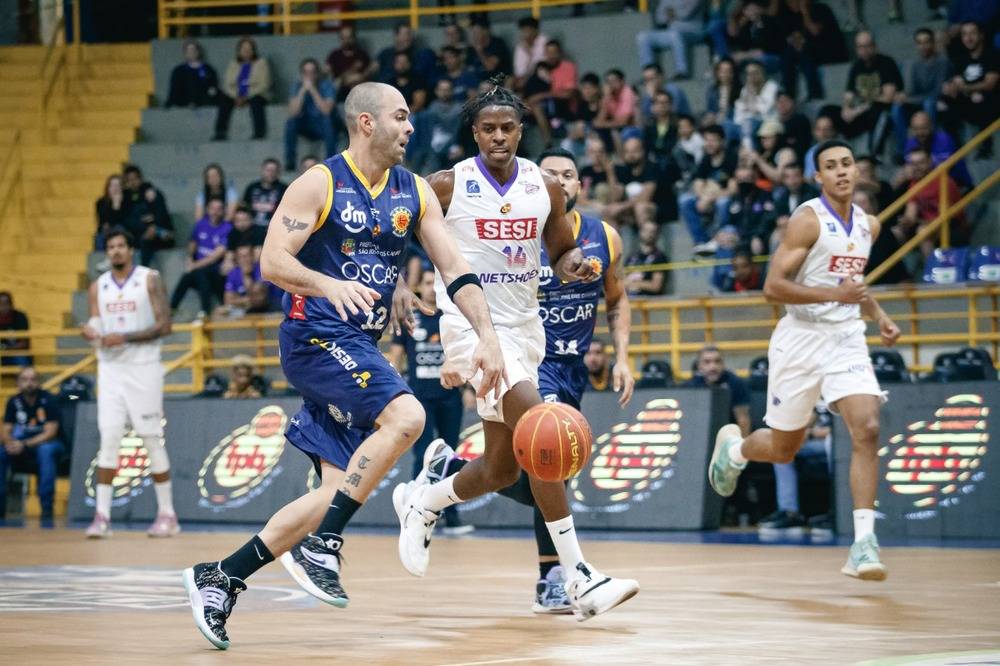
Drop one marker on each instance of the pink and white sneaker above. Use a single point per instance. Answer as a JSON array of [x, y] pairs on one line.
[[100, 528], [165, 525]]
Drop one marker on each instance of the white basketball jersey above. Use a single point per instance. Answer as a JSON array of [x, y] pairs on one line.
[[841, 249], [125, 307], [498, 228]]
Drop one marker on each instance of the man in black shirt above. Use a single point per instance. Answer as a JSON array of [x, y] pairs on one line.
[[751, 211], [793, 192], [30, 428], [705, 207], [710, 370], [244, 232], [146, 215], [194, 82], [409, 83], [974, 90], [492, 53], [798, 129], [872, 84], [647, 283], [12, 320], [633, 185], [262, 196]]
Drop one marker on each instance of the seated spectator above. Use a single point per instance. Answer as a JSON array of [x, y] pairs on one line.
[[349, 64], [824, 129], [146, 215], [551, 90], [13, 320], [215, 186], [310, 102], [619, 105], [924, 208], [794, 191], [808, 28], [193, 82], [981, 13], [589, 105], [306, 163], [408, 82], [756, 102], [710, 370], [262, 196], [110, 209], [492, 55], [242, 280], [463, 80], [660, 134], [595, 173], [206, 250], [927, 74], [676, 24], [576, 140], [765, 161], [633, 185], [751, 212], [422, 60], [872, 84], [869, 180], [744, 275], [598, 366], [797, 128], [31, 430], [454, 37], [435, 142], [247, 83], [654, 82], [938, 144], [648, 253], [754, 35], [241, 379], [706, 206], [721, 96], [690, 147], [529, 50], [244, 232], [974, 91]]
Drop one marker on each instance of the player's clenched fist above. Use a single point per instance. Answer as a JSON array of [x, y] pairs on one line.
[[850, 290], [352, 297], [572, 267]]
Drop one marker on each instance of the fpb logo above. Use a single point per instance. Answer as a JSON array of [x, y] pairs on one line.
[[244, 462], [132, 475]]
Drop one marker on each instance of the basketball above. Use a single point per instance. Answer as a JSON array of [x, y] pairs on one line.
[[552, 441]]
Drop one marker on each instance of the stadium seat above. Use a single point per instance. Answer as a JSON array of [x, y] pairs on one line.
[[656, 374], [215, 386], [946, 266], [949, 368], [984, 264], [978, 361], [889, 366], [758, 374]]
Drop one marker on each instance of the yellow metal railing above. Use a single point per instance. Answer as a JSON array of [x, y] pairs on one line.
[[283, 15], [661, 328]]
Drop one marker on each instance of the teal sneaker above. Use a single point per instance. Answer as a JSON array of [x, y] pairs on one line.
[[863, 561], [722, 473]]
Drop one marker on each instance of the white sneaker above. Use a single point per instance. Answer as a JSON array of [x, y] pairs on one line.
[[416, 525], [436, 458], [592, 593], [100, 528]]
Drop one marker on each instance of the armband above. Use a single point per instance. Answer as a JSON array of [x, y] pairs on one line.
[[461, 281]]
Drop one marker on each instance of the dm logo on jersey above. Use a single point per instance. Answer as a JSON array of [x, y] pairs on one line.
[[400, 221], [244, 462], [632, 460], [347, 247], [132, 476], [935, 463], [471, 187]]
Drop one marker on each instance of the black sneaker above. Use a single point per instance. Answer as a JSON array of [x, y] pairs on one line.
[[314, 563], [821, 528], [783, 524], [212, 595]]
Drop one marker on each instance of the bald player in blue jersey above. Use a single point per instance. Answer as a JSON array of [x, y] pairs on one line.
[[336, 244]]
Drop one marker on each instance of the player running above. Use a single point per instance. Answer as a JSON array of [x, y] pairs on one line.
[[335, 244], [819, 349], [499, 208], [128, 316]]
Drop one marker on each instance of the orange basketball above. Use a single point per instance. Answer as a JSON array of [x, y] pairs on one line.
[[552, 441]]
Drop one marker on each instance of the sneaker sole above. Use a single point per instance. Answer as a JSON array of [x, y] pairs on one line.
[[398, 503], [628, 594], [198, 610], [719, 442], [873, 572], [298, 574], [167, 535], [105, 535], [539, 609]]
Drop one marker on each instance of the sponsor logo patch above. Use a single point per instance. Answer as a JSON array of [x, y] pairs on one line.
[[519, 229]]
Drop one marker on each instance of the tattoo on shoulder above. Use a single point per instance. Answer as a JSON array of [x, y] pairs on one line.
[[293, 225]]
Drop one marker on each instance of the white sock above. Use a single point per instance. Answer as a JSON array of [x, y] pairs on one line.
[[441, 495], [104, 499], [563, 535], [864, 523], [164, 498], [736, 453]]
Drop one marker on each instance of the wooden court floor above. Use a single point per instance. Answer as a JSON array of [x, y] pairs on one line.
[[67, 600]]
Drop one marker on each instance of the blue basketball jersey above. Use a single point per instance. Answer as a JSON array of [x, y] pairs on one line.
[[361, 235], [569, 311]]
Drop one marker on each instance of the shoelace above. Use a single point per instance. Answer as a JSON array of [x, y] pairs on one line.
[[215, 598]]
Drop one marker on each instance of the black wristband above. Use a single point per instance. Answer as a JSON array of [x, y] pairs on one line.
[[461, 281]]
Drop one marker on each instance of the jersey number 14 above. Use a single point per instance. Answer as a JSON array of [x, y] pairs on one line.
[[515, 255]]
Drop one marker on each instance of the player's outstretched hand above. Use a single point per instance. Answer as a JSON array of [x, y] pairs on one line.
[[572, 267], [350, 297], [888, 330], [403, 303], [623, 382], [489, 359], [850, 290]]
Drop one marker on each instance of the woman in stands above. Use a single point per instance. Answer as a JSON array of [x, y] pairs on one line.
[[247, 83], [215, 186]]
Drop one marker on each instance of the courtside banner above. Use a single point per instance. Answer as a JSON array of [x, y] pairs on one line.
[[231, 463], [938, 463]]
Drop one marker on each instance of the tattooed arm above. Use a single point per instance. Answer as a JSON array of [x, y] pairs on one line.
[[293, 222], [619, 317]]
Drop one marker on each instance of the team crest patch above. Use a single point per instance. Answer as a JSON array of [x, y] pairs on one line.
[[471, 187], [347, 247], [596, 265], [400, 221], [504, 209]]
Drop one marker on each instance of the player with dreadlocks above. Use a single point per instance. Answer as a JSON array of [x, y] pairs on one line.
[[499, 208]]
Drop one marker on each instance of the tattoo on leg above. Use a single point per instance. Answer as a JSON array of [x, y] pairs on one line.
[[353, 479], [293, 225], [363, 462]]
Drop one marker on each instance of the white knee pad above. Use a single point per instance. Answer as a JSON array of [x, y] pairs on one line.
[[158, 460], [107, 455]]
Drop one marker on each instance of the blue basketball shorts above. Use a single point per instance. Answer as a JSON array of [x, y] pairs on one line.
[[559, 381]]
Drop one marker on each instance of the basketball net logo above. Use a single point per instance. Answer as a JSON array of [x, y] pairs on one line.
[[132, 475], [934, 463], [244, 462]]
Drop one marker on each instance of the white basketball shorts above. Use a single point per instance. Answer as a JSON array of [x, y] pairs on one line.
[[130, 394]]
